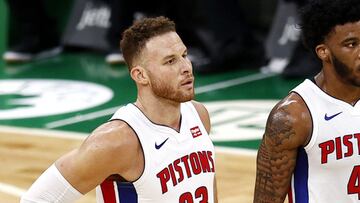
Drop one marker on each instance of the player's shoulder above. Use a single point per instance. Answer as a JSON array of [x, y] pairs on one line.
[[113, 137], [200, 108], [292, 118], [203, 114], [292, 105]]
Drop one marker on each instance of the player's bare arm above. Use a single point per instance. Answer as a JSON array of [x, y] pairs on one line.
[[288, 128], [215, 190], [93, 162]]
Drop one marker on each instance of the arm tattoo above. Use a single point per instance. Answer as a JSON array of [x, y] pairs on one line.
[[276, 159]]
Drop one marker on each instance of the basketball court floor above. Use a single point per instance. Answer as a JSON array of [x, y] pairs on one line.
[[48, 107]]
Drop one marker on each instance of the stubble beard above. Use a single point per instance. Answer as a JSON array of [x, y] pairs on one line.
[[164, 90], [345, 72]]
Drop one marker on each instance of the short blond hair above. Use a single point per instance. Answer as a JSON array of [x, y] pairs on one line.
[[135, 37]]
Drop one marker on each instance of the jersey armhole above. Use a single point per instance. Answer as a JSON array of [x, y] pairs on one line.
[[313, 133], [143, 173]]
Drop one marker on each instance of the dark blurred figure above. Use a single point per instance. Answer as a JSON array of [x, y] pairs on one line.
[[36, 30], [285, 50], [227, 40], [217, 36], [302, 63], [123, 13]]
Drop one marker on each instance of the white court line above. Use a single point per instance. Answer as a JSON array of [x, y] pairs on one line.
[[11, 190], [81, 136], [42, 133], [233, 82], [198, 90], [80, 118]]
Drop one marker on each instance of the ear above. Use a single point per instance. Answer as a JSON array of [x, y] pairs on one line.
[[139, 75], [323, 52]]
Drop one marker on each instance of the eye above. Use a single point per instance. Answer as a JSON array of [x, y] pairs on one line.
[[170, 61], [351, 44]]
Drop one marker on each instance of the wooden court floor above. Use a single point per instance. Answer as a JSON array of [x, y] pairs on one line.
[[25, 154]]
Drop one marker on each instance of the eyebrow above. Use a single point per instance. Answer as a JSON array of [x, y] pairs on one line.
[[350, 39], [172, 56], [168, 57]]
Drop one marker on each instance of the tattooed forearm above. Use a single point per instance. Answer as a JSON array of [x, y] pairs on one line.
[[276, 159], [264, 186]]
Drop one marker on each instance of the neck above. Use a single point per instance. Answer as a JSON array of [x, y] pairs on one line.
[[160, 111], [336, 87]]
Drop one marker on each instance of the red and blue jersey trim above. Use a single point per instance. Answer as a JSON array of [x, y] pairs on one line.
[[299, 192], [118, 192]]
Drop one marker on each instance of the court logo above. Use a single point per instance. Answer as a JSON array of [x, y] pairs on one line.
[[238, 120], [28, 98]]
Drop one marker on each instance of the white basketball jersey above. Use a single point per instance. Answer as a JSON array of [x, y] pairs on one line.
[[179, 166], [328, 167]]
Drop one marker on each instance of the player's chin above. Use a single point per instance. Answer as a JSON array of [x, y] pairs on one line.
[[187, 96]]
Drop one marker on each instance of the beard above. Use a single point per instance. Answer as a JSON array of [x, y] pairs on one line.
[[345, 72], [163, 89]]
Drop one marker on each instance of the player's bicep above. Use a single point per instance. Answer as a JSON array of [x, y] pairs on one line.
[[86, 167], [93, 162], [79, 169], [276, 158]]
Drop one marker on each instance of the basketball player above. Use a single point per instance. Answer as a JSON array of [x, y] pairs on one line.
[[156, 149], [311, 143]]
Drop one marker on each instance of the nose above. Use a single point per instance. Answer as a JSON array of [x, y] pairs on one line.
[[186, 66]]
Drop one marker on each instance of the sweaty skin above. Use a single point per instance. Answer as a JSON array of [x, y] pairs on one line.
[[287, 129]]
